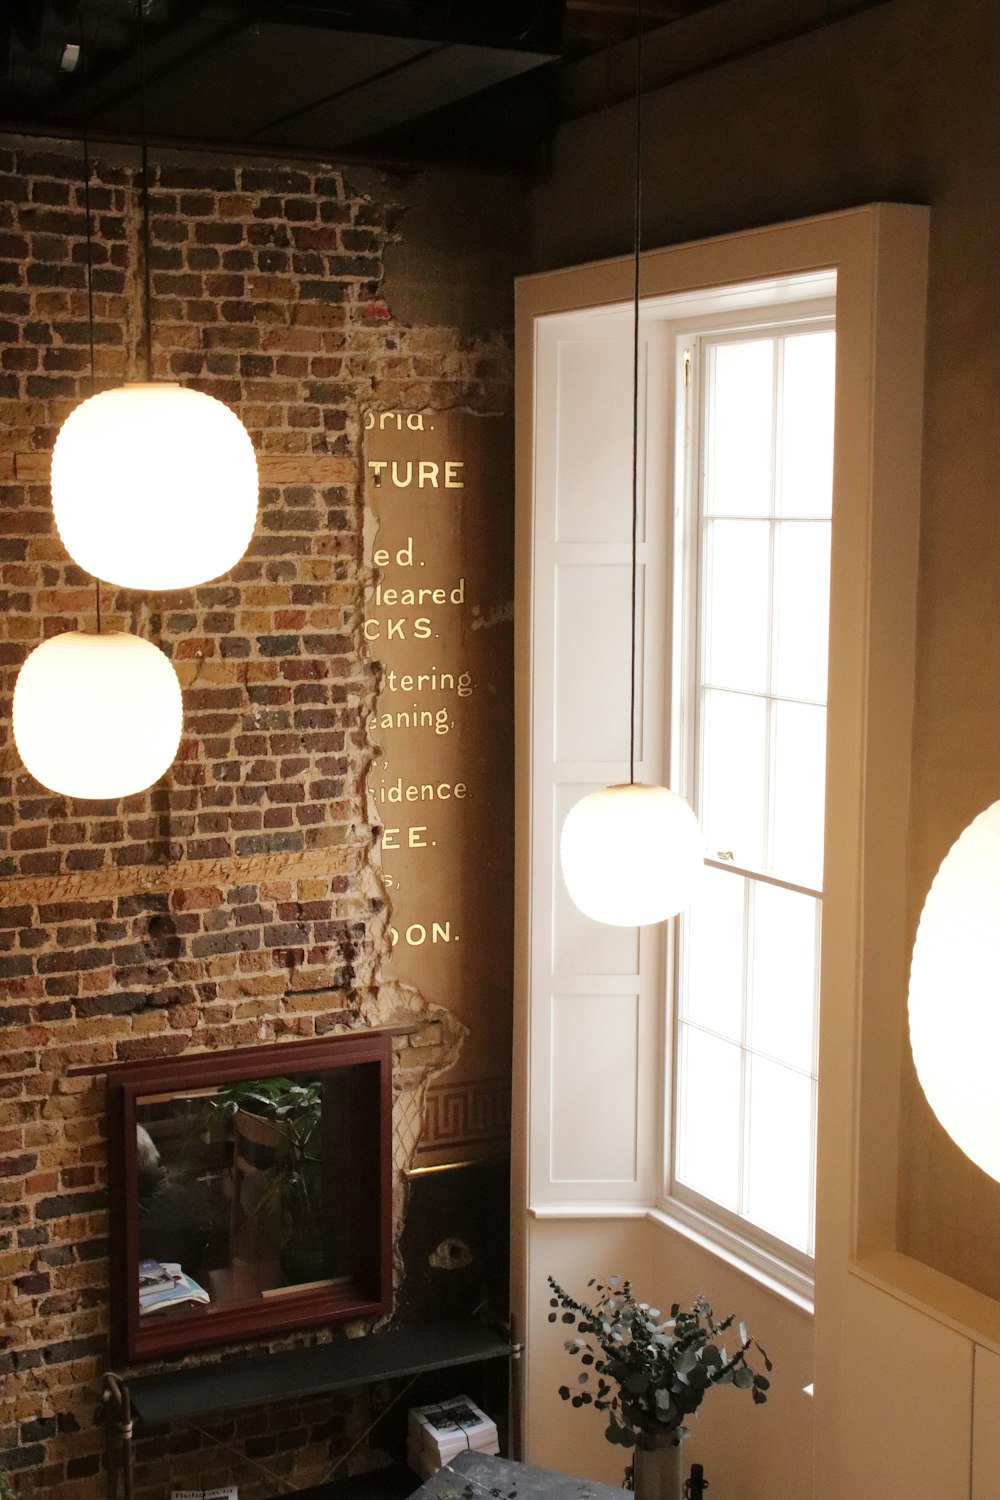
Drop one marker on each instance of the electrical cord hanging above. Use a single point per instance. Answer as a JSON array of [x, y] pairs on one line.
[[88, 220], [637, 251], [144, 150]]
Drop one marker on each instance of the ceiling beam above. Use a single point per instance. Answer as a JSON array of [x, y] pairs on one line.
[[614, 20]]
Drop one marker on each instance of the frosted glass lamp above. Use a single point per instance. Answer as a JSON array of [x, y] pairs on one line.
[[955, 992], [97, 716], [631, 854], [154, 486]]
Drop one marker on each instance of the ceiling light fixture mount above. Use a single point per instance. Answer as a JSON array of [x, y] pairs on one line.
[[631, 853]]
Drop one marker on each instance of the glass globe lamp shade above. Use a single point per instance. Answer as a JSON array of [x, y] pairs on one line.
[[631, 854], [954, 1001], [97, 716], [154, 486]]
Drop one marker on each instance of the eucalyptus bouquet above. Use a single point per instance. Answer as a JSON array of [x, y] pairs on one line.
[[649, 1375]]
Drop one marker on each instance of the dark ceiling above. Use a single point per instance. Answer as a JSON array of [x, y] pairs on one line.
[[469, 82]]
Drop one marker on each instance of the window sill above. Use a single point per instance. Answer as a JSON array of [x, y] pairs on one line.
[[739, 1254]]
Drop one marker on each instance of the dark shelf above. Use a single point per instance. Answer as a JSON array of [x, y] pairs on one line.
[[397, 1482], [205, 1389]]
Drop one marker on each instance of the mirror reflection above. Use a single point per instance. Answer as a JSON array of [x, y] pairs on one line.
[[242, 1192]]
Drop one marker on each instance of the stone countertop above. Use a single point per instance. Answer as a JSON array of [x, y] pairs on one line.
[[483, 1476]]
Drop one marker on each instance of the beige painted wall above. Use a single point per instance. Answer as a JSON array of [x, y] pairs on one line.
[[730, 1435], [898, 103]]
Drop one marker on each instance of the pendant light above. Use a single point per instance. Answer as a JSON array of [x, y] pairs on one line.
[[954, 1002], [154, 486], [631, 853], [96, 715]]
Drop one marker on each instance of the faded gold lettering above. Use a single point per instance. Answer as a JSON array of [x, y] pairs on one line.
[[425, 473], [422, 596], [413, 420], [395, 629], [416, 934], [418, 791], [417, 718]]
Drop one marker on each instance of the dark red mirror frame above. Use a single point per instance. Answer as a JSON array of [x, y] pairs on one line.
[[367, 1292]]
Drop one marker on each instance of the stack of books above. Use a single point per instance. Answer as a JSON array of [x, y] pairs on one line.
[[163, 1284], [437, 1433]]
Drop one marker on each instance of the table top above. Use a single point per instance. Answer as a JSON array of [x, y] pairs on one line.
[[484, 1476]]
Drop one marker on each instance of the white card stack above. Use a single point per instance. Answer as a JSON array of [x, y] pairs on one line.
[[436, 1434]]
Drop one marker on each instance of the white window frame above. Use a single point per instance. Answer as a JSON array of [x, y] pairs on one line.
[[880, 255]]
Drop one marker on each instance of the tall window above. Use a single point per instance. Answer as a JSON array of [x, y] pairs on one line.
[[750, 675]]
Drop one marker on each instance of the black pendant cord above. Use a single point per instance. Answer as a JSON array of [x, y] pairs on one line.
[[147, 279], [88, 220], [637, 251]]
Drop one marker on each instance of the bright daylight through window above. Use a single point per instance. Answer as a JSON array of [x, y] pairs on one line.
[[750, 672]]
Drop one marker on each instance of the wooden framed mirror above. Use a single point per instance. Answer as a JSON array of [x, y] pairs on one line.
[[250, 1192]]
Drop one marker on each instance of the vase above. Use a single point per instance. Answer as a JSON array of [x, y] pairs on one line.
[[304, 1260], [658, 1473]]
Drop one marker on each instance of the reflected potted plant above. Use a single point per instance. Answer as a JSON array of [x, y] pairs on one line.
[[649, 1374], [291, 1197]]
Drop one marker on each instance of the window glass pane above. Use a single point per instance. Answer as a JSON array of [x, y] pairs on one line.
[[783, 975], [708, 1116], [734, 775], [806, 444], [797, 791], [759, 610], [737, 601], [780, 1152], [802, 609], [738, 450], [713, 948]]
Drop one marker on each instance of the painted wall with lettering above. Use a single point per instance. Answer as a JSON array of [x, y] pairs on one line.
[[439, 621]]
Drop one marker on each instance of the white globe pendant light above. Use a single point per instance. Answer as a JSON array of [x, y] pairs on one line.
[[631, 854], [154, 486], [97, 716], [954, 1000]]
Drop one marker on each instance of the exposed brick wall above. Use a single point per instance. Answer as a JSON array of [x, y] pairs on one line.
[[237, 900]]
